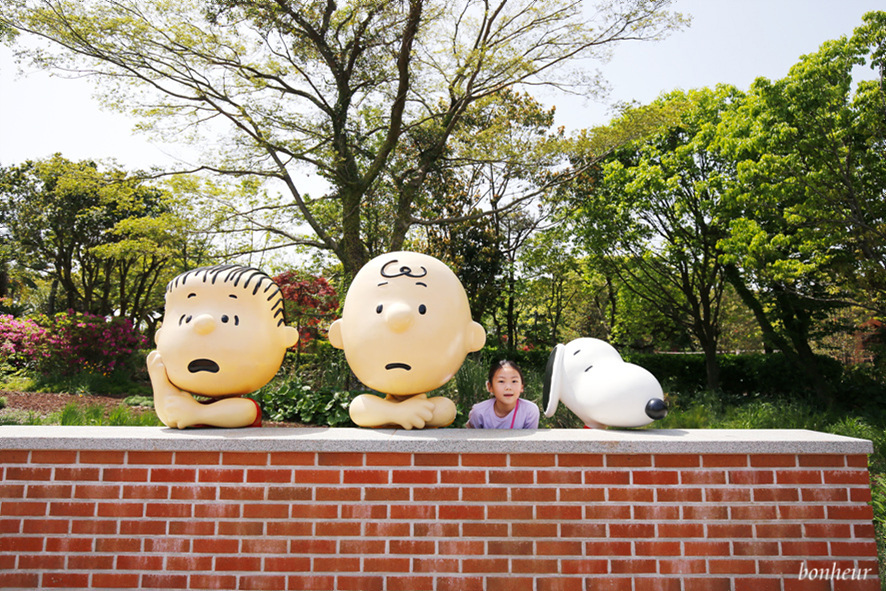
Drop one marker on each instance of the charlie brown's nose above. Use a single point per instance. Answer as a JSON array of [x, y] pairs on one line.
[[399, 317], [204, 324]]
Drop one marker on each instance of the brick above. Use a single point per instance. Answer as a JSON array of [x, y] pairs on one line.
[[97, 491], [508, 583], [149, 457], [336, 494], [682, 566], [757, 584], [727, 495], [124, 474], [243, 528], [221, 475], [340, 459], [705, 512], [779, 530], [412, 512], [485, 495], [707, 584], [287, 564], [388, 564], [532, 460], [455, 547], [584, 566], [24, 508], [577, 495], [776, 495], [511, 477], [798, 477], [628, 460], [409, 583], [310, 582], [436, 459], [120, 509], [206, 581], [139, 562], [705, 548], [364, 512], [191, 563], [190, 528], [859, 512], [632, 566], [363, 546], [557, 477], [860, 477], [608, 477], [558, 512], [151, 491], [677, 460], [278, 475], [824, 495], [46, 526], [654, 477], [31, 473], [203, 458], [773, 460], [483, 460], [265, 511], [514, 512], [414, 477], [693, 477], [173, 475], [463, 477], [55, 456], [580, 460], [388, 459], [680, 530], [533, 565], [65, 580], [534, 495], [635, 494], [827, 530], [532, 529], [263, 546], [48, 491], [361, 583], [607, 512], [679, 495], [558, 548], [656, 548], [366, 477], [731, 566], [244, 493], [459, 584], [269, 582], [244, 458], [169, 509], [509, 547], [295, 458], [460, 512], [751, 477]]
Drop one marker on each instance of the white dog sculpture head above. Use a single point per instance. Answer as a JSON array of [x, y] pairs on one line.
[[592, 380]]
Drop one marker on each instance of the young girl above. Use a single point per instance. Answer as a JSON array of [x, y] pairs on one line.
[[504, 410]]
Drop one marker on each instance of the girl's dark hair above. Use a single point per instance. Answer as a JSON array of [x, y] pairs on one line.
[[497, 365]]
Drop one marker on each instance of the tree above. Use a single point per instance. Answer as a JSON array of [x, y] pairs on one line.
[[310, 304], [368, 94], [107, 241], [652, 217], [808, 231]]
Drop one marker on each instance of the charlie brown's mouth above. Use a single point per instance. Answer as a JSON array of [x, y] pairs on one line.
[[199, 365], [398, 366]]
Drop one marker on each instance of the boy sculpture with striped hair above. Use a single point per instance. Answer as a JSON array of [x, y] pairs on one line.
[[223, 335]]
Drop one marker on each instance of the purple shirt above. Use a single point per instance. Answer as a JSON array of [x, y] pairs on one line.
[[524, 416]]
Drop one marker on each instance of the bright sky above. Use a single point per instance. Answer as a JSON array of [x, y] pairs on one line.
[[730, 41]]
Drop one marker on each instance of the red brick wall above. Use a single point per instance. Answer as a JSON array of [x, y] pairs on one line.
[[93, 518]]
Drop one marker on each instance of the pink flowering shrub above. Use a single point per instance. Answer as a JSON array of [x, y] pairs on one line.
[[69, 343]]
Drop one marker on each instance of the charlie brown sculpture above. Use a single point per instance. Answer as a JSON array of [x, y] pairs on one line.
[[406, 329], [222, 336]]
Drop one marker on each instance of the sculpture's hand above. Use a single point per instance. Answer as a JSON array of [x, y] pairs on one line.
[[174, 407], [414, 412]]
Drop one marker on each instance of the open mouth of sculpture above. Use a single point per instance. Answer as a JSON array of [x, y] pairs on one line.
[[199, 365], [398, 366]]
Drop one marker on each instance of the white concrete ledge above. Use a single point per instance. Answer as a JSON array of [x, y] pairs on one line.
[[719, 441]]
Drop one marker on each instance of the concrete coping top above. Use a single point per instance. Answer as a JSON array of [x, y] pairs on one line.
[[324, 439]]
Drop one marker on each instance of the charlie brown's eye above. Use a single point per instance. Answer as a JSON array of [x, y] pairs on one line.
[[422, 309], [225, 318], [379, 308]]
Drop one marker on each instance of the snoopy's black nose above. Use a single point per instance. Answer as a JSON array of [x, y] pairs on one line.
[[656, 409]]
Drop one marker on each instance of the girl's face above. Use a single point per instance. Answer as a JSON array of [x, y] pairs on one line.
[[506, 386]]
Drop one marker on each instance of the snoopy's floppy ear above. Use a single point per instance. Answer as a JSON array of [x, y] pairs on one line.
[[553, 381]]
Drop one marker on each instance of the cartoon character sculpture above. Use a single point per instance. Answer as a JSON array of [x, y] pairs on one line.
[[222, 336], [592, 380], [406, 329]]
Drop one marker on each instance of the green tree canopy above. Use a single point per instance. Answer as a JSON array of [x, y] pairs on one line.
[[107, 241], [368, 94]]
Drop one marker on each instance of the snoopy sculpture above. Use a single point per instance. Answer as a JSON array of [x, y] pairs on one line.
[[592, 380]]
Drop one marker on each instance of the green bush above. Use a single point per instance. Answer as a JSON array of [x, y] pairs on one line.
[[290, 400]]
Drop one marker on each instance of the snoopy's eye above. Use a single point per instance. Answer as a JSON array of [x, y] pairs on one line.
[[379, 308], [422, 309]]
